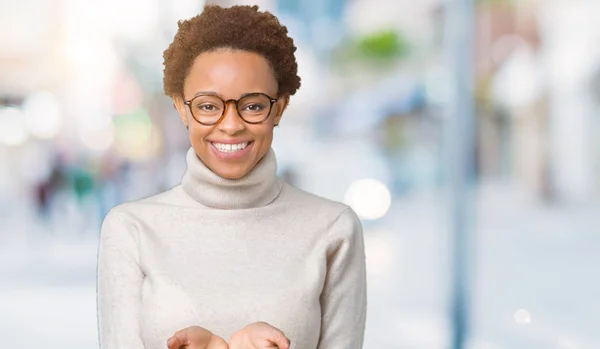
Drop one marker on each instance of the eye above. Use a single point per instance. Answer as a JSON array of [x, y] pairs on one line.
[[207, 107], [254, 107]]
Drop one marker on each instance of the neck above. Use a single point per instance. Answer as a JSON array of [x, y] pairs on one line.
[[258, 188]]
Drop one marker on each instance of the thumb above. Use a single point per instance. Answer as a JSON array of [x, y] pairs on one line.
[[181, 338], [278, 338], [178, 340]]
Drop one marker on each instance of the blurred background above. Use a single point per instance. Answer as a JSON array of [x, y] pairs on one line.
[[84, 125]]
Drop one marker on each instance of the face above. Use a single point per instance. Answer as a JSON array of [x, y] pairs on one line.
[[230, 74]]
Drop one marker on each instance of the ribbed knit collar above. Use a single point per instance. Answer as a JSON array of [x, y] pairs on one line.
[[258, 188]]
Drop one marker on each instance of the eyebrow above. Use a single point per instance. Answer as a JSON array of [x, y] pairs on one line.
[[213, 93]]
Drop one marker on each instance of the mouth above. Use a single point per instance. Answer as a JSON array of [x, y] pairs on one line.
[[231, 151]]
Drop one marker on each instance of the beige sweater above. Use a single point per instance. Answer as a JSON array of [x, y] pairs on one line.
[[222, 254]]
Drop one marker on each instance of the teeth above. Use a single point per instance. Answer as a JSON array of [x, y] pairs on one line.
[[230, 148]]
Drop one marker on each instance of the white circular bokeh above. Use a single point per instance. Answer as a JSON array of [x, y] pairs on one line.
[[43, 115], [522, 317], [370, 198], [12, 127], [99, 139]]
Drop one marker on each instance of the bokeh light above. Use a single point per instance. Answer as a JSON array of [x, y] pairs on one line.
[[370, 198], [99, 139], [133, 129], [13, 131], [43, 115], [522, 317], [136, 137]]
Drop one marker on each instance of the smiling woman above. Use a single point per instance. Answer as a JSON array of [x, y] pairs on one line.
[[232, 257], [246, 81]]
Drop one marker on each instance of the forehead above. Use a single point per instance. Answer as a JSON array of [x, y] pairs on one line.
[[230, 73]]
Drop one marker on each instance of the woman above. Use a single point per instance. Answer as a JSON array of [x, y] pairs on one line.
[[232, 257]]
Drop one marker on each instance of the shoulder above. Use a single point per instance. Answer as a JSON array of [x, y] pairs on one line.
[[337, 225], [302, 199], [317, 208], [171, 197], [138, 210]]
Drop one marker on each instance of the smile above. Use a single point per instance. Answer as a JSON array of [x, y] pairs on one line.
[[230, 148], [228, 151]]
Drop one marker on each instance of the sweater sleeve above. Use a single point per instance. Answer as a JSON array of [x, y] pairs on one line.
[[119, 284], [344, 296]]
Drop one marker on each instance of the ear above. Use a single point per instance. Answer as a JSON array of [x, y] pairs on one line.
[[282, 105], [181, 109]]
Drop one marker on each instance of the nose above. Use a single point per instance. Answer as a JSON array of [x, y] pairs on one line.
[[232, 123]]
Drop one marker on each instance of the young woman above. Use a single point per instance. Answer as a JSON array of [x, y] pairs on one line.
[[232, 257]]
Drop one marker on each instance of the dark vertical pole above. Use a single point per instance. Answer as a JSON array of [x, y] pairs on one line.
[[460, 29]]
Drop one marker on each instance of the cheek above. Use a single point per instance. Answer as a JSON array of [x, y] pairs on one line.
[[265, 140], [263, 132], [199, 132]]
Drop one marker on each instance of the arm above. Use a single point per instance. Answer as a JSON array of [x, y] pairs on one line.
[[344, 296], [119, 284]]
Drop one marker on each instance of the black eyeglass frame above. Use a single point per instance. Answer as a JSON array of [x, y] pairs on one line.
[[235, 101]]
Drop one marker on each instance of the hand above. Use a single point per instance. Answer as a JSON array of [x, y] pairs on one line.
[[195, 337], [259, 335]]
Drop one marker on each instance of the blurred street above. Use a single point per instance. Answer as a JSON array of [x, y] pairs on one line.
[[386, 121]]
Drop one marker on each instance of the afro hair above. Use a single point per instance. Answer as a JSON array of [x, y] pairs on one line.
[[239, 28]]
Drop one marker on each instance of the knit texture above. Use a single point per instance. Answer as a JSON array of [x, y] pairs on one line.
[[222, 254]]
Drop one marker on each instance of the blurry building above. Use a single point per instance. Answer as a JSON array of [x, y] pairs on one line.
[[512, 111], [536, 111], [571, 31]]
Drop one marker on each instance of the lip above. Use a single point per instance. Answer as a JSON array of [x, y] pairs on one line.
[[231, 156]]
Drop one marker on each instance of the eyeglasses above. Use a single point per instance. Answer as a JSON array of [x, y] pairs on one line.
[[253, 108]]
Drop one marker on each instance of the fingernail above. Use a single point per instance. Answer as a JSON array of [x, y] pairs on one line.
[[169, 342]]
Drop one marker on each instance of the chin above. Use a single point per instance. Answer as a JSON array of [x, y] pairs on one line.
[[230, 173], [231, 176]]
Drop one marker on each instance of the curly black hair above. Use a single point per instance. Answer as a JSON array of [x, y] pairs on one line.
[[239, 28]]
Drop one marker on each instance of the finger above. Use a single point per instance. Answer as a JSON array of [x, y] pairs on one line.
[[178, 340], [198, 336], [184, 337], [278, 338]]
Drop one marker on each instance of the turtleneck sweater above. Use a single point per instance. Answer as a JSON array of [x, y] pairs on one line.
[[221, 254]]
